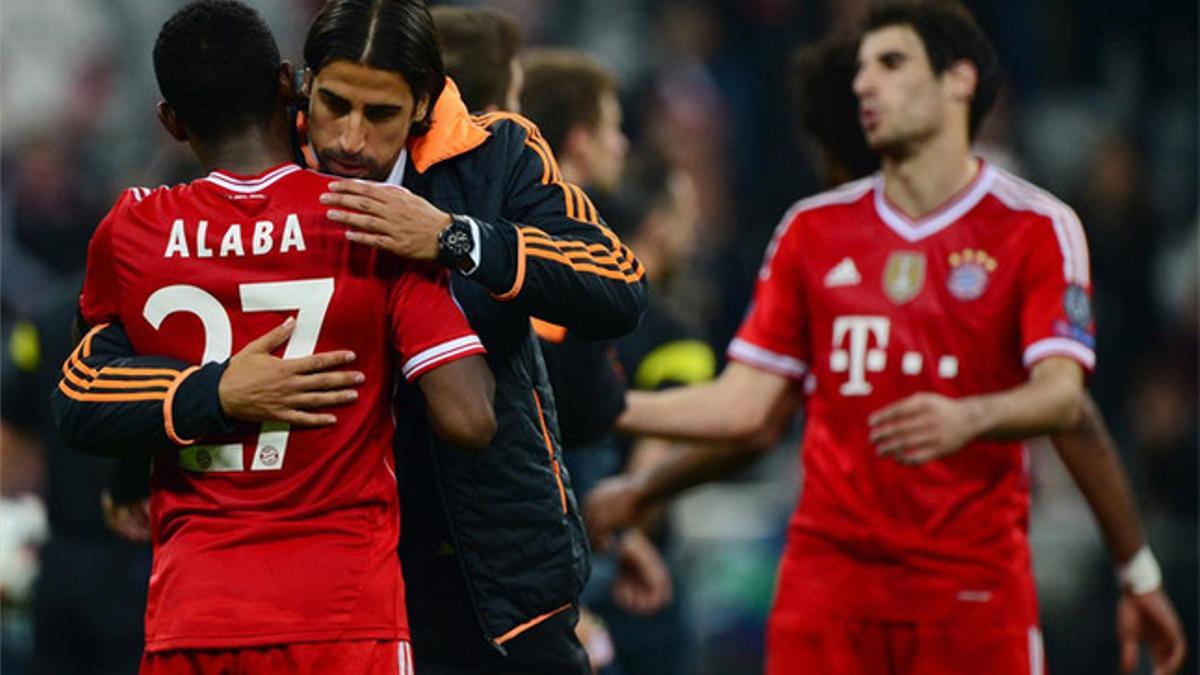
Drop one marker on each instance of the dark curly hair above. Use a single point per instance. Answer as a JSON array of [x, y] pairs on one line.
[[217, 65]]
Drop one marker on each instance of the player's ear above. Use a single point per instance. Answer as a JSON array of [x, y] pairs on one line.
[[304, 80], [287, 81], [421, 113], [961, 79], [170, 121]]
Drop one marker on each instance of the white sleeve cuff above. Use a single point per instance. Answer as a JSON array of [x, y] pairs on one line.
[[1059, 347], [765, 359], [475, 254], [441, 354]]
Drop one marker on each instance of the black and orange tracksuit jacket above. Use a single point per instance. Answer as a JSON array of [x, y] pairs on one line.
[[507, 517]]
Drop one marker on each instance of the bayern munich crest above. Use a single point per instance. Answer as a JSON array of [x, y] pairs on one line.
[[970, 270]]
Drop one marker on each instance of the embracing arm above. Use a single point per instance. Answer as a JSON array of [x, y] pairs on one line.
[[549, 252], [113, 402]]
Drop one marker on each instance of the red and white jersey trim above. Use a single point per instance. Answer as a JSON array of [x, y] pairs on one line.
[[244, 186], [1057, 346], [1037, 656], [945, 216], [1020, 195], [440, 354], [759, 357], [404, 655]]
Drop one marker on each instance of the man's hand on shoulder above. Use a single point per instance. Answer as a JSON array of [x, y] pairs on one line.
[[387, 217], [259, 387]]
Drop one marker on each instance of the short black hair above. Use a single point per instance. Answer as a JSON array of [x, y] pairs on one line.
[[563, 88], [392, 35], [822, 78], [217, 65], [478, 48], [949, 34]]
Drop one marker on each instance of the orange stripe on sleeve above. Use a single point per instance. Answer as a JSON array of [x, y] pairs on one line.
[[109, 398], [519, 279], [168, 404]]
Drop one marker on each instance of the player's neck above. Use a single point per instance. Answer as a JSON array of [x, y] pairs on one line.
[[926, 178], [247, 154]]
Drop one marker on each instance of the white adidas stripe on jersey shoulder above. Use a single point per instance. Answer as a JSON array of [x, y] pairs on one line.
[[1021, 195], [761, 357], [843, 194], [440, 352], [1057, 346], [139, 193], [250, 186]]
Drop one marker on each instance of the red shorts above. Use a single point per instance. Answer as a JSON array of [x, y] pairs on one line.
[[358, 657], [799, 646]]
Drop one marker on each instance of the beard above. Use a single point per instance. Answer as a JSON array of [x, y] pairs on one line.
[[352, 166]]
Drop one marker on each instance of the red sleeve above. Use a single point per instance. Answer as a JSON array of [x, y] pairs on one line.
[[100, 300], [428, 326], [773, 334], [1056, 292]]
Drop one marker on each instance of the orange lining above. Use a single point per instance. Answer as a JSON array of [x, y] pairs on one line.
[[168, 402], [451, 134], [529, 624], [562, 491], [550, 332], [519, 280]]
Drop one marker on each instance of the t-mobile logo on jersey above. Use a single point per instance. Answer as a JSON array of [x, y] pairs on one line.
[[861, 357]]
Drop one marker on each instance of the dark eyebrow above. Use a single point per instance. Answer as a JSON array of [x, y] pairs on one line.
[[383, 109], [330, 96]]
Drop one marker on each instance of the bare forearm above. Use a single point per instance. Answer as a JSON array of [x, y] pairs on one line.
[[1090, 454], [1048, 403], [692, 465]]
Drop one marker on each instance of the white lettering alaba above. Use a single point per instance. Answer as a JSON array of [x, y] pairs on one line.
[[191, 239]]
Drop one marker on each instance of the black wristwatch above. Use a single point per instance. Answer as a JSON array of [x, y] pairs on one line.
[[455, 243]]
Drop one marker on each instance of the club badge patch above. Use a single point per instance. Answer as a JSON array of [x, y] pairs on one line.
[[904, 276], [970, 270], [1078, 306]]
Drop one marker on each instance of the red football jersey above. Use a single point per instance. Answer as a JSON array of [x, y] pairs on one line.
[[866, 307], [274, 535]]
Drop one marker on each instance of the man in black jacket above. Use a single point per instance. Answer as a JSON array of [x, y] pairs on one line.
[[492, 543]]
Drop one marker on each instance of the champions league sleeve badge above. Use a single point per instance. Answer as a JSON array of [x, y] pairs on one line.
[[969, 273], [1078, 306]]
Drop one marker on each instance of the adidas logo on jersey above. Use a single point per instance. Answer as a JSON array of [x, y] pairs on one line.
[[843, 274]]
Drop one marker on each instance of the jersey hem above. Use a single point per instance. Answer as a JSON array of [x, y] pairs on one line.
[[277, 638]]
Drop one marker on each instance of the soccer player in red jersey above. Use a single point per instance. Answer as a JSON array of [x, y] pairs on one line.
[[274, 547], [932, 315]]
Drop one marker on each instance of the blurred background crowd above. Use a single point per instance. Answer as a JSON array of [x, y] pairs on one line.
[[1099, 107]]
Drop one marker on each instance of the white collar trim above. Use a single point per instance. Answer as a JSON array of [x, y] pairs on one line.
[[942, 217]]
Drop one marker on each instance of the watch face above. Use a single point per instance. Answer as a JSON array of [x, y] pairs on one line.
[[458, 241]]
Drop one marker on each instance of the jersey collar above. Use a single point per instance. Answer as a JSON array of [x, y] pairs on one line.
[[451, 134], [249, 184], [942, 217]]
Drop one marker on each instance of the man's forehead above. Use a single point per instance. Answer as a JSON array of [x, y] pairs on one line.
[[895, 38], [363, 84]]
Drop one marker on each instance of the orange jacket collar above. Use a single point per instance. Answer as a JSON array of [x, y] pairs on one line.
[[451, 134]]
